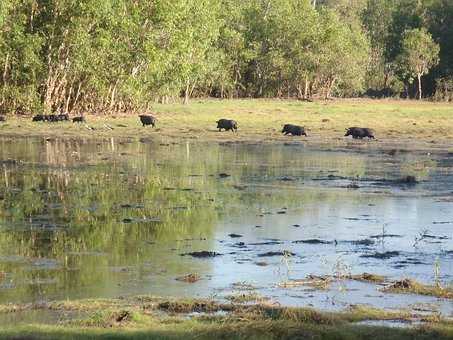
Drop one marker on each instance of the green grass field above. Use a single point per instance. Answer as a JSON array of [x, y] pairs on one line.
[[394, 122]]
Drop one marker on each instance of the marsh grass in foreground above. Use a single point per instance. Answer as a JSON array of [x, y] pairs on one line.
[[154, 318]]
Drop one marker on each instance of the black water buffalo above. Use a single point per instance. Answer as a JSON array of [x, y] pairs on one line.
[[39, 118], [294, 130], [63, 117], [361, 133], [51, 118], [148, 120], [56, 118], [227, 124], [79, 119]]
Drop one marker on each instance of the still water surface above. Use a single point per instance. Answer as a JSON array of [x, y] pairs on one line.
[[83, 219]]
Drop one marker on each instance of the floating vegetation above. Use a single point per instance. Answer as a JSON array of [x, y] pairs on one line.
[[250, 297], [409, 286], [312, 281], [189, 278], [367, 277], [277, 253], [202, 254], [382, 256], [313, 241]]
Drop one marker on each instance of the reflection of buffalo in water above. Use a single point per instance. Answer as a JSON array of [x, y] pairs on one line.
[[147, 120], [357, 132], [227, 124], [294, 130]]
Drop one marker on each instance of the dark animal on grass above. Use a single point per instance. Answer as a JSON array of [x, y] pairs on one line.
[[2, 119], [359, 133], [148, 120], [62, 117], [51, 118], [294, 130], [80, 119], [39, 118], [227, 124]]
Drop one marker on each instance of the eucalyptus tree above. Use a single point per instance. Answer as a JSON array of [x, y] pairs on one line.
[[20, 62], [419, 53], [377, 19], [342, 55], [183, 43]]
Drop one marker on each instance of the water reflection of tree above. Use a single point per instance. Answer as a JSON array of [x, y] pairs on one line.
[[69, 201], [57, 210]]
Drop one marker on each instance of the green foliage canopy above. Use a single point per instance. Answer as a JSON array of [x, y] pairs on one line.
[[119, 55], [419, 53]]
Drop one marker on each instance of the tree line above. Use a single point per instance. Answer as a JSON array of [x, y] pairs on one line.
[[120, 55]]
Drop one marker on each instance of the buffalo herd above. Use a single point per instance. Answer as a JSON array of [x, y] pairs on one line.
[[51, 118], [222, 124]]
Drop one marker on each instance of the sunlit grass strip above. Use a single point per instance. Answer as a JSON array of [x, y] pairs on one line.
[[261, 120]]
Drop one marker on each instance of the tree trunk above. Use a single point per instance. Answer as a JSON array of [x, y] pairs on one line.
[[299, 91], [77, 95], [330, 86], [186, 94], [112, 96], [419, 86], [446, 96], [307, 83], [5, 70], [68, 98], [386, 78]]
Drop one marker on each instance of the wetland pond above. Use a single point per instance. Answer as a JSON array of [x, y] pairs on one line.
[[92, 219]]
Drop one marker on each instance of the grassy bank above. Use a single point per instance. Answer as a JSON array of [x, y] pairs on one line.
[[395, 122], [153, 318]]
